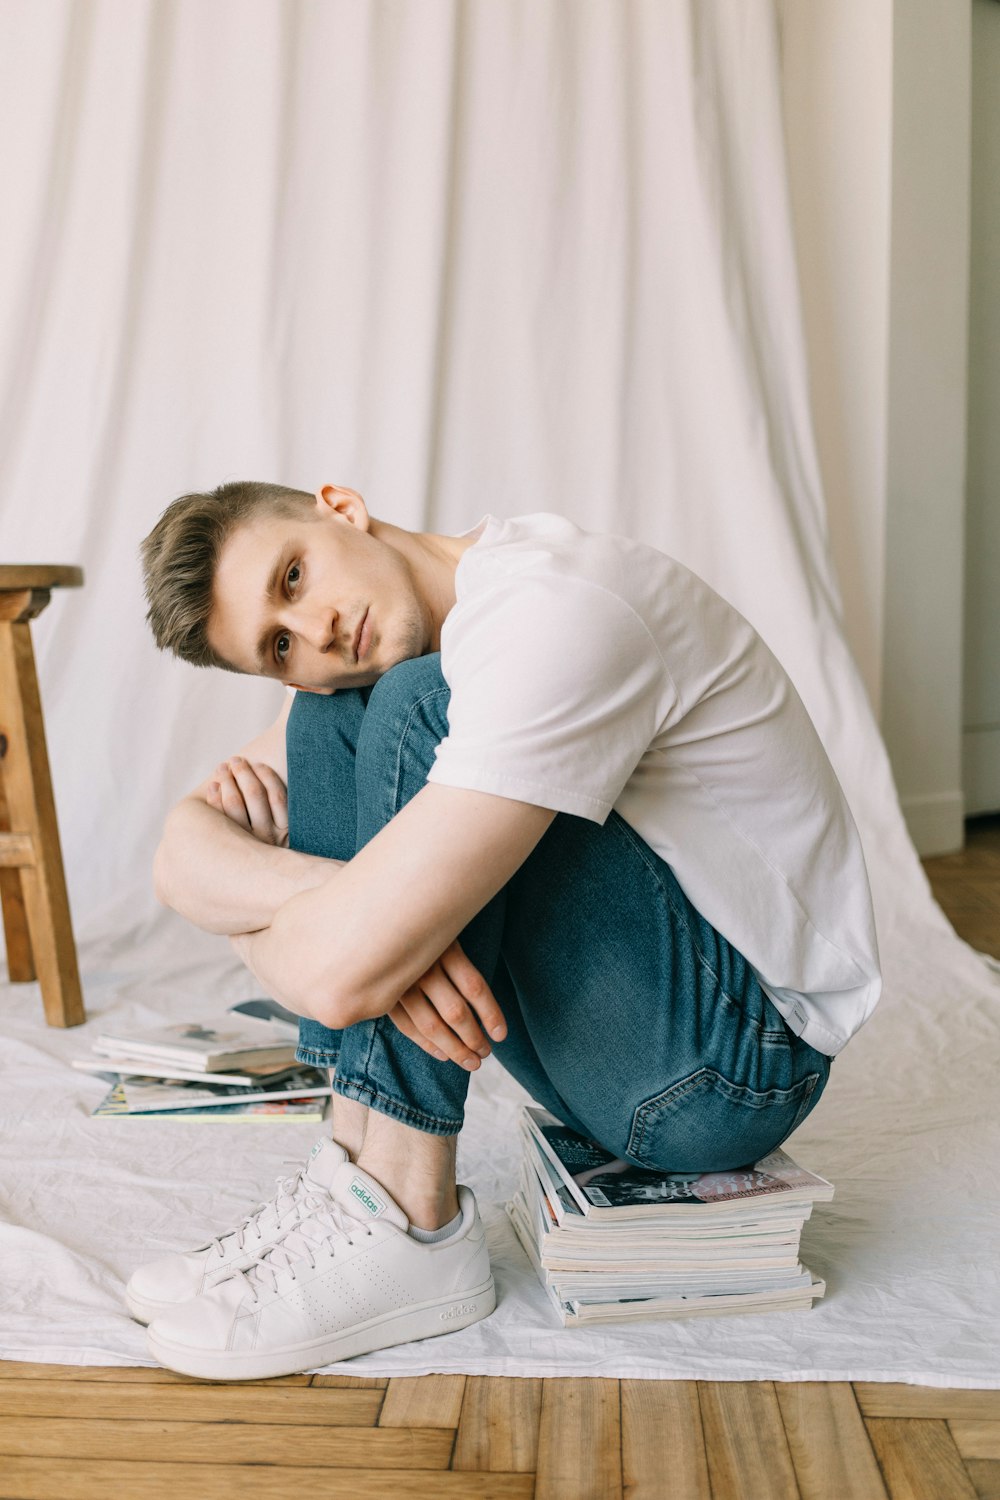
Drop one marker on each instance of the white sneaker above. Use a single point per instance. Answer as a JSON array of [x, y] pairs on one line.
[[173, 1279], [346, 1280]]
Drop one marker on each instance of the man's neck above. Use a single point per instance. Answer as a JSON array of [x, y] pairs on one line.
[[433, 560]]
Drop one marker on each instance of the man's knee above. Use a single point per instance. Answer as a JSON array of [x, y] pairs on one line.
[[410, 693], [318, 720]]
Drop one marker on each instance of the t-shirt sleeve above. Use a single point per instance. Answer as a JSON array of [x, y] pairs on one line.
[[557, 691]]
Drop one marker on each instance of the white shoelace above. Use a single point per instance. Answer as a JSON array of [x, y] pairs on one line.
[[327, 1221], [289, 1197]]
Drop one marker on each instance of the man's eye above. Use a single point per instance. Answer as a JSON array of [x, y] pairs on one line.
[[281, 646], [294, 574]]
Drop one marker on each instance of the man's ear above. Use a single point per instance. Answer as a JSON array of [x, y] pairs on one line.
[[336, 499]]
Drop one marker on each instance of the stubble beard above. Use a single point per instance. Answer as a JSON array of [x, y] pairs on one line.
[[410, 638]]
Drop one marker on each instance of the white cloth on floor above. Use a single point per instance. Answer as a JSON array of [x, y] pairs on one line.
[[907, 1132]]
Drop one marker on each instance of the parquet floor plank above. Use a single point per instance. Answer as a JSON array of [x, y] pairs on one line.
[[225, 1443], [298, 1406], [579, 1441], [985, 1476], [748, 1456], [831, 1451], [976, 1439], [423, 1401], [349, 1382], [919, 1460], [498, 1426], [85, 1479], [885, 1399], [14, 1369], [663, 1445]]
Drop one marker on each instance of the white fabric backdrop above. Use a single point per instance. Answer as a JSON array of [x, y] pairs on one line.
[[503, 255]]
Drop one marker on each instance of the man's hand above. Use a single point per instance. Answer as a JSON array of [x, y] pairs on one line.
[[439, 1012], [253, 796]]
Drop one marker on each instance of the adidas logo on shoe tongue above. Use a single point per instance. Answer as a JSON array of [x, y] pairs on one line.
[[366, 1197]]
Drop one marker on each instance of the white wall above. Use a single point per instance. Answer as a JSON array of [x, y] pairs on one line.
[[877, 107], [927, 385], [981, 696]]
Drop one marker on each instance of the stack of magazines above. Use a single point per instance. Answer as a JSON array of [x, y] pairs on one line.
[[233, 1066], [612, 1241]]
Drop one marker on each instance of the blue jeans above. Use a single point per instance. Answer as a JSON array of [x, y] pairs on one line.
[[628, 1016]]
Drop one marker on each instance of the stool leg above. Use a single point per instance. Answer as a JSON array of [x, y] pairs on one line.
[[20, 964], [31, 808]]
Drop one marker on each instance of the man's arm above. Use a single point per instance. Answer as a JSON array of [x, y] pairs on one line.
[[349, 949], [221, 876]]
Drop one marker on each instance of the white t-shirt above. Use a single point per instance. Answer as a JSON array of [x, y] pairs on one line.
[[591, 672]]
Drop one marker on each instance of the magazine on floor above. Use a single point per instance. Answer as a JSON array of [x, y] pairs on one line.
[[138, 1096], [266, 1010], [311, 1110], [250, 1075], [205, 1046]]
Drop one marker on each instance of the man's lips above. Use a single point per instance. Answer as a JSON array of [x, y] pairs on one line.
[[358, 653]]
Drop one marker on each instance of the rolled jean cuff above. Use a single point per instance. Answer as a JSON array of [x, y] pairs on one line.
[[385, 1104], [317, 1057]]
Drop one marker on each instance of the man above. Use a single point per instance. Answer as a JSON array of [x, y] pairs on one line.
[[545, 787]]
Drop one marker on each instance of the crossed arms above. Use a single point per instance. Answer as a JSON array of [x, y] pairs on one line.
[[345, 941]]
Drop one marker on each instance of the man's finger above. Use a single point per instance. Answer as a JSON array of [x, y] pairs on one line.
[[255, 798], [441, 1013], [431, 1025], [232, 799], [470, 983], [277, 795], [277, 791], [402, 1022]]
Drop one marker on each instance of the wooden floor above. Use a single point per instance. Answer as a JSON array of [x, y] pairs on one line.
[[76, 1433]]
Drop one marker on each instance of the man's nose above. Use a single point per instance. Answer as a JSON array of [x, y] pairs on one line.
[[319, 627]]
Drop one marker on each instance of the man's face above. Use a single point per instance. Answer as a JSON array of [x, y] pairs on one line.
[[291, 593]]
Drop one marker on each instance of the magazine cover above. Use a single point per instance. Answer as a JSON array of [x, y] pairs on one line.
[[250, 1075], [148, 1095], [606, 1186], [204, 1045], [302, 1111]]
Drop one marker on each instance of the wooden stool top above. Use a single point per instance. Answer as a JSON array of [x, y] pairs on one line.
[[38, 576]]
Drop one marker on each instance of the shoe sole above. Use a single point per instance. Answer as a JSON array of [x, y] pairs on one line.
[[422, 1321], [145, 1312]]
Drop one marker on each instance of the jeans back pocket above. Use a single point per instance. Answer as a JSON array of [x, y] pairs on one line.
[[705, 1123]]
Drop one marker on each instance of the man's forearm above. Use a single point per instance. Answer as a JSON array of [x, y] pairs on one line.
[[223, 879]]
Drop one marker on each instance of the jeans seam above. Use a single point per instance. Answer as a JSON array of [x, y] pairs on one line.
[[641, 1117], [682, 916], [417, 703], [313, 1057], [685, 1087]]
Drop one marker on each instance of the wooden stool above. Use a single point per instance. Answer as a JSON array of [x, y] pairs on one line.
[[32, 884]]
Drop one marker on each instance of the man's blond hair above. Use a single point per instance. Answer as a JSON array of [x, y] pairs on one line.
[[181, 553]]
